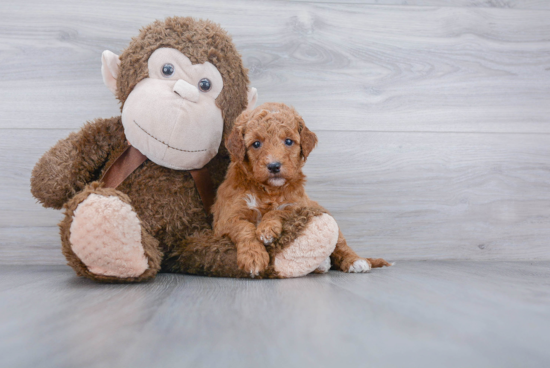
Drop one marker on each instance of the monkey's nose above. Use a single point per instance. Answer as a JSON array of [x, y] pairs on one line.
[[186, 91], [274, 167]]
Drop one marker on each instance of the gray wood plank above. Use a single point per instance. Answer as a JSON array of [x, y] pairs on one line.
[[31, 245], [434, 195], [74, 336], [401, 196], [415, 314], [507, 4], [348, 67]]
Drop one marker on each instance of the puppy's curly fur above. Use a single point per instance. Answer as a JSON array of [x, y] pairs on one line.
[[265, 183]]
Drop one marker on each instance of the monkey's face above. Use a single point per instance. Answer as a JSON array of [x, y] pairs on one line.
[[172, 116], [182, 84]]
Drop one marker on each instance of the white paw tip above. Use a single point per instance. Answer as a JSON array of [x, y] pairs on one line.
[[359, 266], [266, 241], [325, 266]]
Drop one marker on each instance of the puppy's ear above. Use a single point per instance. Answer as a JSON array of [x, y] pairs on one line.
[[308, 139], [235, 145]]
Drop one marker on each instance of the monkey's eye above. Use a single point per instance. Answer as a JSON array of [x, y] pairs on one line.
[[257, 144], [167, 70], [289, 142], [205, 84]]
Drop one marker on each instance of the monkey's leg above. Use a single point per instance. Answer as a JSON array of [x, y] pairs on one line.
[[204, 254], [307, 239], [345, 259], [103, 238]]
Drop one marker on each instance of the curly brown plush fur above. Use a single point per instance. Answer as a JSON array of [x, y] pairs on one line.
[[175, 233], [76, 161]]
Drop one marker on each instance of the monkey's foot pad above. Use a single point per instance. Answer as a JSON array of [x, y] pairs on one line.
[[310, 249], [106, 236]]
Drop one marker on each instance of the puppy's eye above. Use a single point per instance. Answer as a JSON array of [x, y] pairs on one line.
[[289, 142], [167, 70], [257, 144], [205, 84]]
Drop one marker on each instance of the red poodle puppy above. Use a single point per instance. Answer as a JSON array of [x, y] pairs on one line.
[[269, 146]]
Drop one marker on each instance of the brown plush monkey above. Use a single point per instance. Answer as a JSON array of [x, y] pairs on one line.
[[181, 85]]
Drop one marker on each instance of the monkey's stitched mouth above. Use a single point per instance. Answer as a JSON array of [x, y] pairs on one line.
[[166, 144]]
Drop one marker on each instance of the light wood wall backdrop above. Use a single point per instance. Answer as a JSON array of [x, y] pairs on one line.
[[433, 116]]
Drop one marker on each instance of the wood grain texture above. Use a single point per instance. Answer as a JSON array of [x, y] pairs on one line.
[[348, 67], [415, 314], [506, 4], [433, 120], [400, 196]]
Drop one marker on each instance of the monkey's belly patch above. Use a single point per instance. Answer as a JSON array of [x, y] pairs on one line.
[[310, 249], [106, 236]]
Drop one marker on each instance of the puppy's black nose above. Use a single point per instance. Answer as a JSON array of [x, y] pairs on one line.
[[274, 167]]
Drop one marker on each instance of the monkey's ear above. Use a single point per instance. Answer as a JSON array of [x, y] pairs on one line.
[[235, 145], [109, 69], [308, 139], [252, 98]]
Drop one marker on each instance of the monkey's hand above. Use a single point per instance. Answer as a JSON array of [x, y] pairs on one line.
[[74, 162]]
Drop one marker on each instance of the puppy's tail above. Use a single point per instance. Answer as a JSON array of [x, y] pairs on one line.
[[379, 262]]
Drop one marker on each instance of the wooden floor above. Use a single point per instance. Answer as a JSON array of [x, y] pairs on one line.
[[415, 314]]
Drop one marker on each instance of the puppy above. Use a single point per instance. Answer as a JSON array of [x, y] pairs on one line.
[[269, 146]]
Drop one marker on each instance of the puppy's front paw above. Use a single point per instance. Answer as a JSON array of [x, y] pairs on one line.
[[268, 231], [253, 260], [359, 266]]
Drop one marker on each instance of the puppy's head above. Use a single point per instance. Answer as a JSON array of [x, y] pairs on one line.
[[272, 144]]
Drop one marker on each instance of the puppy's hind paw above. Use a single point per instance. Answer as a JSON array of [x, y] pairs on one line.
[[359, 266], [323, 267]]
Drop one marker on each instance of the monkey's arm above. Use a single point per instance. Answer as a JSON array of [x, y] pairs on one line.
[[75, 161]]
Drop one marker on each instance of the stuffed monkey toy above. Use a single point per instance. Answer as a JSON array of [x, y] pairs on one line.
[[137, 188]]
